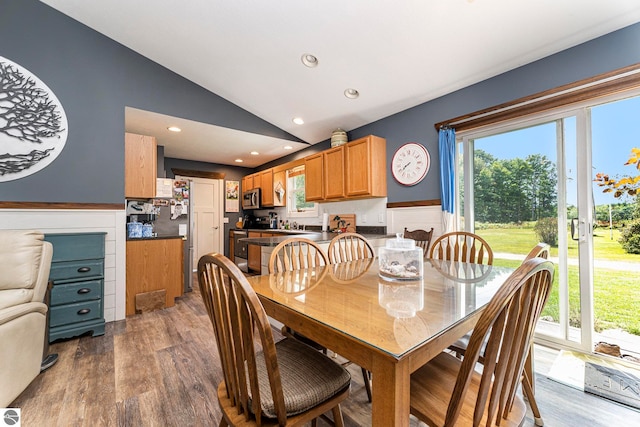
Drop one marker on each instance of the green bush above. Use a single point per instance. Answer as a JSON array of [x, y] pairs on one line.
[[630, 237], [547, 230]]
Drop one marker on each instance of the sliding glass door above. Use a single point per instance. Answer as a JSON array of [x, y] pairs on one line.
[[534, 181]]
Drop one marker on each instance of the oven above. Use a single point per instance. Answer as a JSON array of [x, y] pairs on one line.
[[240, 250], [251, 199]]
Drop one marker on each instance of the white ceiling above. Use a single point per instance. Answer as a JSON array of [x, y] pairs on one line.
[[397, 54]]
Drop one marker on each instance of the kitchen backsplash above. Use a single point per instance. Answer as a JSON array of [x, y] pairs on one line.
[[370, 213]]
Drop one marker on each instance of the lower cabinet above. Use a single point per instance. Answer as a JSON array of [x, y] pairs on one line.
[[254, 252], [77, 275], [152, 265]]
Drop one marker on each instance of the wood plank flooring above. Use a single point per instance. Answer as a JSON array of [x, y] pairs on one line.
[[162, 369]]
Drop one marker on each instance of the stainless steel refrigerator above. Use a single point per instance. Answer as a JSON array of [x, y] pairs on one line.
[[175, 217]]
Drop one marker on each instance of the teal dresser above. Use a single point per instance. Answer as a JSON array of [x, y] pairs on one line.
[[77, 274]]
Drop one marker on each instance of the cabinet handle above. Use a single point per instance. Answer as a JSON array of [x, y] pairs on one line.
[[84, 291], [84, 311], [84, 269]]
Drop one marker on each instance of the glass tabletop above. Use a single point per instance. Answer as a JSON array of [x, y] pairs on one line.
[[392, 316]]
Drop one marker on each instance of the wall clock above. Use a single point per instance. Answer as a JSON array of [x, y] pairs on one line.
[[410, 163]]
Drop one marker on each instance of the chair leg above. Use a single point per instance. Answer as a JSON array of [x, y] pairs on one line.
[[337, 416], [366, 375], [528, 392]]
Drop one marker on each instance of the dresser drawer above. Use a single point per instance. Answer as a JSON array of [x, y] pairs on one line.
[[77, 269], [74, 292], [77, 246], [77, 312]]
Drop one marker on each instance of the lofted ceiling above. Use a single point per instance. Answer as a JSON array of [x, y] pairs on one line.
[[396, 54]]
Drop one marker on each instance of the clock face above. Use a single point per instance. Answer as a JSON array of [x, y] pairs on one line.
[[410, 163]]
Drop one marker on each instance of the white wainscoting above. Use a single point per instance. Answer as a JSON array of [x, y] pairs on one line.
[[418, 217], [113, 222]]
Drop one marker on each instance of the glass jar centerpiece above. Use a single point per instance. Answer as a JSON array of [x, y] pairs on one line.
[[400, 259]]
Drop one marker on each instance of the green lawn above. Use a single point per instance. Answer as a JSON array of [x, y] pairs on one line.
[[616, 292]]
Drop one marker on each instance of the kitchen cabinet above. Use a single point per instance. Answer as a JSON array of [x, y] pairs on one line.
[[247, 183], [266, 185], [366, 167], [257, 181], [333, 173], [140, 166], [253, 258], [231, 246], [313, 181], [154, 264], [77, 295]]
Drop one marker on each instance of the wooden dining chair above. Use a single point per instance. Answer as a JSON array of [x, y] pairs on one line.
[[346, 247], [422, 238], [506, 325], [264, 383], [349, 247], [296, 253], [541, 250], [462, 246]]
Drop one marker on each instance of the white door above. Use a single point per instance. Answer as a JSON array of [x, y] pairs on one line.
[[207, 217]]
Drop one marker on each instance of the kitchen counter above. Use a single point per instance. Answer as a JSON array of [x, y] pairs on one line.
[[155, 238], [318, 237]]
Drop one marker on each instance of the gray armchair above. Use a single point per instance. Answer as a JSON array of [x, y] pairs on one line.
[[25, 260]]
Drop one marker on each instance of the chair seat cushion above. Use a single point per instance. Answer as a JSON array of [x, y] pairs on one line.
[[432, 387], [308, 378]]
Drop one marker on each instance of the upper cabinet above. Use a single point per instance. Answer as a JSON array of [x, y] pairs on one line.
[[313, 178], [279, 188], [266, 184], [140, 166], [365, 167], [355, 170]]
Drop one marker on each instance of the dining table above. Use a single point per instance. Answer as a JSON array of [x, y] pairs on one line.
[[389, 327]]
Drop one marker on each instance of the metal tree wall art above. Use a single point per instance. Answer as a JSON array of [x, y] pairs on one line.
[[33, 125]]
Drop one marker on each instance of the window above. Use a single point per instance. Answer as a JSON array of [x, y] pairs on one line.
[[297, 206]]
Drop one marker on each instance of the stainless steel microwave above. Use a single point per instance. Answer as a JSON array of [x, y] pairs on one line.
[[251, 199]]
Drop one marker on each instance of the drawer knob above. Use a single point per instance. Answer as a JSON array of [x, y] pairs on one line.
[[84, 311], [84, 291], [84, 269]]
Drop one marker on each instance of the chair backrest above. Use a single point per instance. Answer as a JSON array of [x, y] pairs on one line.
[[239, 322], [507, 324], [422, 238], [462, 246], [349, 247], [541, 250], [296, 253], [25, 263]]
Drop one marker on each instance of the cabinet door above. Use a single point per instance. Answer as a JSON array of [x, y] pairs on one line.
[[140, 166], [266, 181], [365, 159], [333, 172], [257, 181], [313, 178], [247, 183], [254, 252]]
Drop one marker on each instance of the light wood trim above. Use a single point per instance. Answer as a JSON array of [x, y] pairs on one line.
[[198, 174], [591, 88], [414, 203], [62, 205]]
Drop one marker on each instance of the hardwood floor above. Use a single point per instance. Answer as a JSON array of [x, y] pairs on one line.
[[161, 369]]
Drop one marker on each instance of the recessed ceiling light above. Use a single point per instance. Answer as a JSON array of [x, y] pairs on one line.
[[239, 160], [254, 153], [288, 147], [298, 120], [351, 93], [309, 60], [174, 129]]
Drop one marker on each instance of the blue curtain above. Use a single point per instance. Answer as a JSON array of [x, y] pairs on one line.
[[447, 146]]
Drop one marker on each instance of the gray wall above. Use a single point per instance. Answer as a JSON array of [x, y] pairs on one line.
[[610, 52], [95, 78]]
